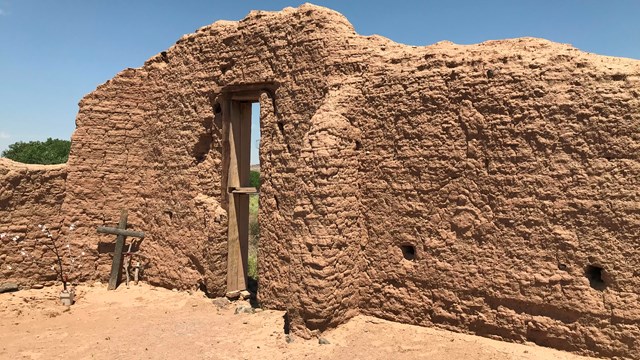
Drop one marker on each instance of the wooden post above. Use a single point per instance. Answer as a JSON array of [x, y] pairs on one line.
[[116, 266]]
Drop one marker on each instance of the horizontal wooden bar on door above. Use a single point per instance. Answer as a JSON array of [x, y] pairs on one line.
[[244, 190]]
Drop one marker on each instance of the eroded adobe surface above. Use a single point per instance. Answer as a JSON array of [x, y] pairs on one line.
[[30, 195], [510, 169]]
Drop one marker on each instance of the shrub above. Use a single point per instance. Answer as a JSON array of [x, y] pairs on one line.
[[51, 151], [252, 269], [254, 179], [254, 237]]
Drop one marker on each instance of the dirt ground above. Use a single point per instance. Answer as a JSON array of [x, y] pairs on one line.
[[144, 322]]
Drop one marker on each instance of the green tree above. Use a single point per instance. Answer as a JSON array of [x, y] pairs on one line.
[[51, 151], [254, 179]]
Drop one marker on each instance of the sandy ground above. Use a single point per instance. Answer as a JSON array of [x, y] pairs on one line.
[[144, 322]]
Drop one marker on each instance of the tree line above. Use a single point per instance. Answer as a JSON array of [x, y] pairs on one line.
[[49, 152]]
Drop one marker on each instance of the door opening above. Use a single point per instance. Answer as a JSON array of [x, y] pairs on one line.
[[254, 200], [241, 125]]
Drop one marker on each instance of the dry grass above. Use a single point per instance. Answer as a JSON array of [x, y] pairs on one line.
[[254, 236]]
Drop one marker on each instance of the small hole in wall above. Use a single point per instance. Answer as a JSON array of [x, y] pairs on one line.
[[281, 127], [619, 77], [217, 108], [562, 267], [202, 147], [202, 287], [226, 67], [205, 139], [594, 274], [358, 145], [409, 252]]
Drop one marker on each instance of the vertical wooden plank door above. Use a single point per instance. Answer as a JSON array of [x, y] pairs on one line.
[[239, 117]]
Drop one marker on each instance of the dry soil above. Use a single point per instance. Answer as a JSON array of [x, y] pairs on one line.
[[144, 322]]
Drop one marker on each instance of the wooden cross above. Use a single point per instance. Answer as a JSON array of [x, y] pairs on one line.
[[122, 232]]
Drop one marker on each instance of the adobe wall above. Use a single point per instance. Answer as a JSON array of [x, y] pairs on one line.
[[151, 140], [30, 195], [511, 166]]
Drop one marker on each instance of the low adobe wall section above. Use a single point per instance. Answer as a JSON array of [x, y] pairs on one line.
[[30, 195]]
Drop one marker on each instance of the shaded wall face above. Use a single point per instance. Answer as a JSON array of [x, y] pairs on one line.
[[31, 197]]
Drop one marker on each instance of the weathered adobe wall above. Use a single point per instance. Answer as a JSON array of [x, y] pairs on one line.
[[30, 195], [150, 140], [510, 165]]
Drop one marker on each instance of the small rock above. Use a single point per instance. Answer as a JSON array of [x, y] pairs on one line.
[[242, 309], [232, 295], [258, 310], [37, 286], [174, 290], [323, 341], [288, 338], [52, 314], [8, 287], [244, 294], [220, 302], [97, 284]]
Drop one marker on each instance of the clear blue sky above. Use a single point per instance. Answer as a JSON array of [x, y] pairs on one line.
[[52, 53]]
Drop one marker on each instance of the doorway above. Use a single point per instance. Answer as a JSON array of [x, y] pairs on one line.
[[241, 128], [254, 200]]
